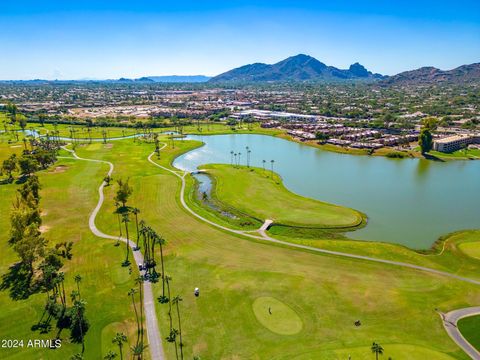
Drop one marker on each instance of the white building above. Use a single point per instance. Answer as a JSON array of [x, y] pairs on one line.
[[455, 142], [273, 115]]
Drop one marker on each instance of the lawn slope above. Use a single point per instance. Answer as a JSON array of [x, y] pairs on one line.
[[255, 192]]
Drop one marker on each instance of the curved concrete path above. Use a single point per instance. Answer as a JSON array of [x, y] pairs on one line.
[[153, 332], [305, 247], [450, 321]]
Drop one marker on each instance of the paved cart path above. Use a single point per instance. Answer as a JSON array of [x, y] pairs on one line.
[[153, 332], [450, 321]]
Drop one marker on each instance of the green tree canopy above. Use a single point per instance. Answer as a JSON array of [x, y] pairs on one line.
[[123, 193], [425, 141]]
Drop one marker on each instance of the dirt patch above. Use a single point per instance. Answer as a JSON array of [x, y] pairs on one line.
[[44, 228], [16, 146], [108, 146], [59, 169], [43, 213]]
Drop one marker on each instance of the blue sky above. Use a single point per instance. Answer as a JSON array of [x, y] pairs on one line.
[[110, 39]]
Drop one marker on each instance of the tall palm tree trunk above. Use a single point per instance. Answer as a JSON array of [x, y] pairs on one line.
[[180, 331], [128, 240], [136, 316], [163, 269]]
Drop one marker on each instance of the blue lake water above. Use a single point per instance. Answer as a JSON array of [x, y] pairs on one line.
[[408, 201]]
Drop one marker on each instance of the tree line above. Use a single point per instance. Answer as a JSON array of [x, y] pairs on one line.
[[39, 268]]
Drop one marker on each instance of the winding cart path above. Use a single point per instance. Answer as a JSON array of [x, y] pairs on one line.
[[153, 332]]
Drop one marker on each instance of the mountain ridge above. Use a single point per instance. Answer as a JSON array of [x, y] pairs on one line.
[[300, 67], [432, 75]]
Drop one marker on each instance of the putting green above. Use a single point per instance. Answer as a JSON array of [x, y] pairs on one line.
[[277, 316], [471, 249]]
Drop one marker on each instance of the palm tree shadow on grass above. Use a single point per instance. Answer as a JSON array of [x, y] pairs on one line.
[[18, 280]]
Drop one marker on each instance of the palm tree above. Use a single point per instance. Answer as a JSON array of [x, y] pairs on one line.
[[231, 157], [136, 211], [377, 349], [161, 242], [176, 300], [248, 156], [117, 206], [126, 220], [146, 244], [167, 279], [153, 242], [172, 338], [119, 339], [271, 162], [239, 154], [139, 282], [60, 282], [235, 156], [138, 349], [78, 317], [264, 161], [131, 293], [78, 279], [110, 355]]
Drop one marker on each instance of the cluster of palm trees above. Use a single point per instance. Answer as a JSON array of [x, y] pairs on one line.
[[75, 316], [236, 157], [150, 239], [174, 335]]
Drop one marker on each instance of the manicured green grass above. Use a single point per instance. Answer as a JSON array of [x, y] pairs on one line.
[[219, 128], [68, 196], [470, 329], [254, 191], [276, 316], [459, 154], [471, 248], [328, 293], [396, 306]]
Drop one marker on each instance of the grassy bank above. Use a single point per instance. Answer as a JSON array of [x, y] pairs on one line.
[[262, 194]]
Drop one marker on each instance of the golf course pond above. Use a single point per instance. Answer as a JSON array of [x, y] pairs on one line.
[[408, 201]]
